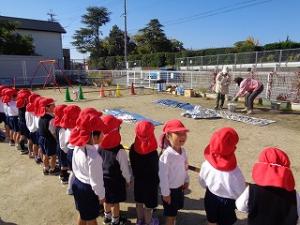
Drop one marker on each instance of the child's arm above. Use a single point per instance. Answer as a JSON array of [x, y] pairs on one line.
[[242, 201], [96, 174], [51, 127], [124, 165], [63, 140], [164, 176]]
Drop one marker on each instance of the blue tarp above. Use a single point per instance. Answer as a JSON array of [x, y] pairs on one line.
[[129, 117], [199, 112]]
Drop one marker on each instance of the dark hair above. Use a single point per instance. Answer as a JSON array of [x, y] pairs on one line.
[[96, 133], [238, 80]]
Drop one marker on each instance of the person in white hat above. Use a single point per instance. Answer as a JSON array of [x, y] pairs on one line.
[[223, 80]]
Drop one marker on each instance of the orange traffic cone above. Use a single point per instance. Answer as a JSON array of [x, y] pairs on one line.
[[102, 94], [132, 92]]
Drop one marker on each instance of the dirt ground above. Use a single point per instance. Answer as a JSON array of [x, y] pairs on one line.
[[27, 197]]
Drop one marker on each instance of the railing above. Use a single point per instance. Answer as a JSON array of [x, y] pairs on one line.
[[279, 58]]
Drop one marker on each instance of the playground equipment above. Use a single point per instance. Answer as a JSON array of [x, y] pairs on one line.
[[132, 91], [118, 91], [102, 94]]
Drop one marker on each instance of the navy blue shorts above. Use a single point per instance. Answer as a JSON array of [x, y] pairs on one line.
[[3, 118], [13, 123], [86, 200], [24, 130], [219, 210], [115, 190], [69, 157], [63, 159], [48, 147], [146, 193], [177, 202], [34, 138]]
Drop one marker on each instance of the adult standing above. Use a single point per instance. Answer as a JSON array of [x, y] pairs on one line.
[[250, 88], [223, 80]]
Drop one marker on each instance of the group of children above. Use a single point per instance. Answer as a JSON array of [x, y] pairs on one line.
[[97, 168]]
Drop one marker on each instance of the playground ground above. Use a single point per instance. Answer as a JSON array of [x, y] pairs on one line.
[[29, 198]]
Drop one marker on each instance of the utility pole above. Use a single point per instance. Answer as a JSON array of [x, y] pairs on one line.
[[125, 34]]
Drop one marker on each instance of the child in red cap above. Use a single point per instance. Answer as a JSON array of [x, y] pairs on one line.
[[88, 187], [144, 163], [47, 139], [221, 177], [23, 134], [3, 117], [9, 98], [272, 199], [58, 114], [173, 169], [67, 123], [32, 126], [116, 171]]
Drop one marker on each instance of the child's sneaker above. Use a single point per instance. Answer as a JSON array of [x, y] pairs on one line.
[[18, 147], [140, 222], [24, 152], [122, 221], [154, 221], [45, 171], [64, 177], [11, 143], [107, 220], [54, 171], [38, 160]]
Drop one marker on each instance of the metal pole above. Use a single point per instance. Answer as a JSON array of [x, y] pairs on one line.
[[125, 34]]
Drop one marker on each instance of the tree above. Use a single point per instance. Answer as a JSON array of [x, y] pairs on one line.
[[176, 45], [250, 44], [152, 39], [88, 39], [12, 43]]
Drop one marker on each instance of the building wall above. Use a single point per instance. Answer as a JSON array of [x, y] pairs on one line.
[[48, 44]]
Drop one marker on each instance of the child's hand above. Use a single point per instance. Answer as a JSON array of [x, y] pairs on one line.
[[185, 186], [129, 184], [101, 201], [167, 199]]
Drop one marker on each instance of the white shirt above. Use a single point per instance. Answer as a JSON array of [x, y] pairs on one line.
[[1, 106], [242, 202], [5, 108], [122, 158], [226, 184], [29, 118], [36, 122], [173, 170], [12, 109], [64, 135], [87, 167]]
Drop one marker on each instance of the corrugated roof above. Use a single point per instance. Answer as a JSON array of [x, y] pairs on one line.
[[38, 25]]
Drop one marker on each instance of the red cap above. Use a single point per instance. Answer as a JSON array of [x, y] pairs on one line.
[[7, 94], [42, 106], [112, 137], [273, 169], [145, 141], [22, 98], [71, 114], [1, 88], [85, 125], [31, 99], [174, 125], [58, 114], [220, 151]]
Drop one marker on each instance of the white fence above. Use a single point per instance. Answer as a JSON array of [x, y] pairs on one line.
[[284, 84]]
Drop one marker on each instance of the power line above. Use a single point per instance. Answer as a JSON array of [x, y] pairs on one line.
[[213, 12]]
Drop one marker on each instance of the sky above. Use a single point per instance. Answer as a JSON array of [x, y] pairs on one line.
[[197, 23]]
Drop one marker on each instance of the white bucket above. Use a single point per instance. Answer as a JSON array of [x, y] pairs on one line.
[[231, 107]]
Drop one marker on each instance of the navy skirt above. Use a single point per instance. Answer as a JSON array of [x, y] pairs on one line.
[[48, 147], [86, 200], [219, 210], [13, 123]]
